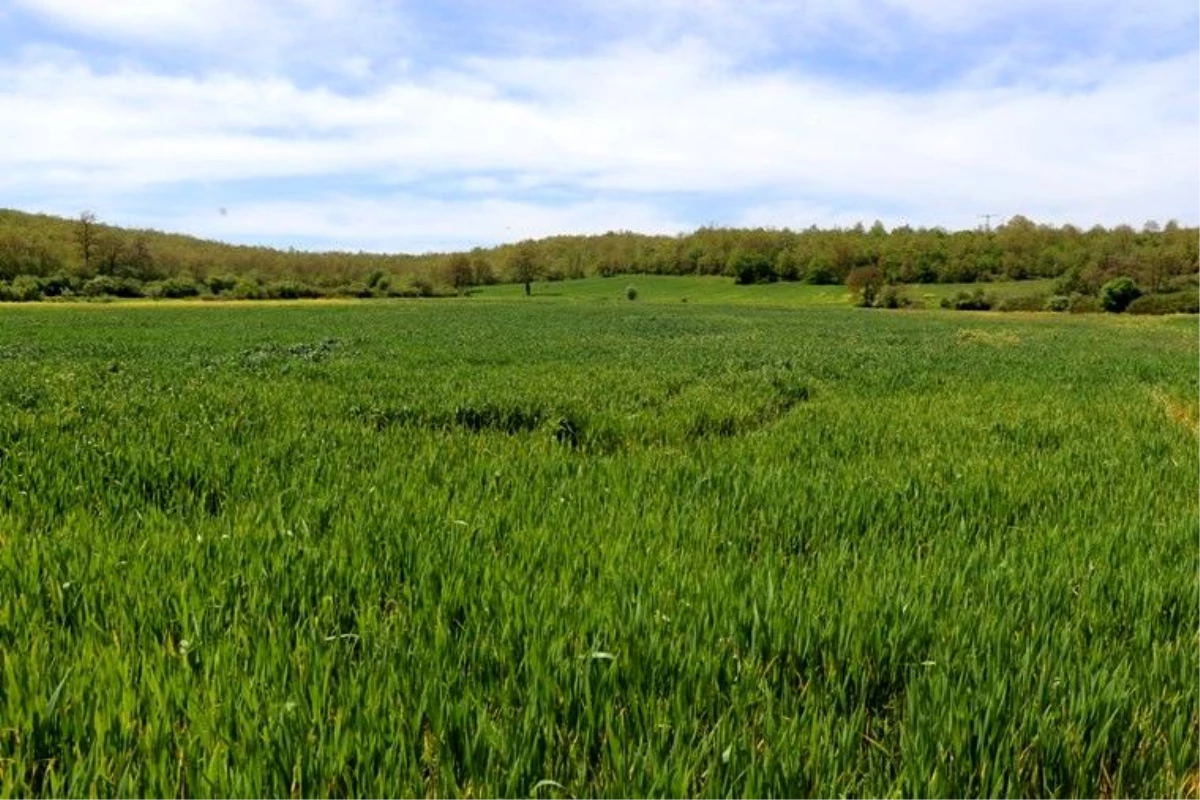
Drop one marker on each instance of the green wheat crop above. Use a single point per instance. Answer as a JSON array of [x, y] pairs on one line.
[[535, 548]]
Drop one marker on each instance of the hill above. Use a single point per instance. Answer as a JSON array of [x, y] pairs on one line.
[[46, 256]]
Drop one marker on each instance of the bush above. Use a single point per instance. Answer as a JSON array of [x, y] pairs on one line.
[[864, 284], [246, 289], [631, 293], [1117, 294], [60, 285], [402, 291], [1083, 304], [969, 301], [1173, 303], [892, 296], [290, 290], [1058, 302], [109, 286], [422, 286], [1071, 282], [23, 289], [356, 289], [1025, 302], [220, 284], [418, 286], [174, 288]]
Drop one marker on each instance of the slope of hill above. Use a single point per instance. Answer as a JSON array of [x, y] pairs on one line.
[[47, 256]]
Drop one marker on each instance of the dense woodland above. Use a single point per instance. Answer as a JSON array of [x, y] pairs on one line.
[[45, 257]]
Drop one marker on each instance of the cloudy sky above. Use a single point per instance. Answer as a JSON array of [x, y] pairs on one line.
[[433, 124]]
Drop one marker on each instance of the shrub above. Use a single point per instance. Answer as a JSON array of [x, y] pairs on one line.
[[356, 289], [1083, 304], [631, 293], [1058, 302], [1184, 283], [402, 291], [968, 301], [1173, 303], [23, 289], [422, 286], [1117, 294], [246, 289], [220, 284], [418, 286], [864, 283], [1071, 282], [290, 290], [60, 284], [1024, 302], [892, 296], [174, 288], [750, 267], [109, 286]]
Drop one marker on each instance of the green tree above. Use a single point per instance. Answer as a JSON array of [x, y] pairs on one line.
[[85, 237], [523, 265], [864, 283], [459, 273], [1117, 294]]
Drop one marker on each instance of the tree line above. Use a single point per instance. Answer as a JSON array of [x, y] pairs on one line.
[[43, 256]]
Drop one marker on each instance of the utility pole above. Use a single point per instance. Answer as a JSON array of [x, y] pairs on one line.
[[987, 221]]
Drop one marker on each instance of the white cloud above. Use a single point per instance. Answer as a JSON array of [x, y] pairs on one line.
[[265, 35], [1087, 140], [880, 29], [415, 223]]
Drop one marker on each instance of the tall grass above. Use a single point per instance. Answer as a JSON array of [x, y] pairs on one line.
[[532, 549]]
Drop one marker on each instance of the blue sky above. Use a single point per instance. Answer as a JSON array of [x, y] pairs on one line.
[[411, 126]]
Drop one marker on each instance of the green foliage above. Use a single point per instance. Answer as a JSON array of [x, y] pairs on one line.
[[22, 289], [290, 290], [497, 548], [246, 289], [750, 266], [459, 273], [1173, 303], [1058, 302], [524, 264], [976, 300], [864, 283], [175, 288], [1084, 260], [221, 284], [1117, 294], [893, 296], [1071, 282], [631, 293], [357, 289], [1028, 302], [110, 286]]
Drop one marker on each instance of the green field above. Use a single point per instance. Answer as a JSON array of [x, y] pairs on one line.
[[718, 290], [492, 546]]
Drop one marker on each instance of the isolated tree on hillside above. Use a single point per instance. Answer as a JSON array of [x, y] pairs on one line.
[[523, 265]]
